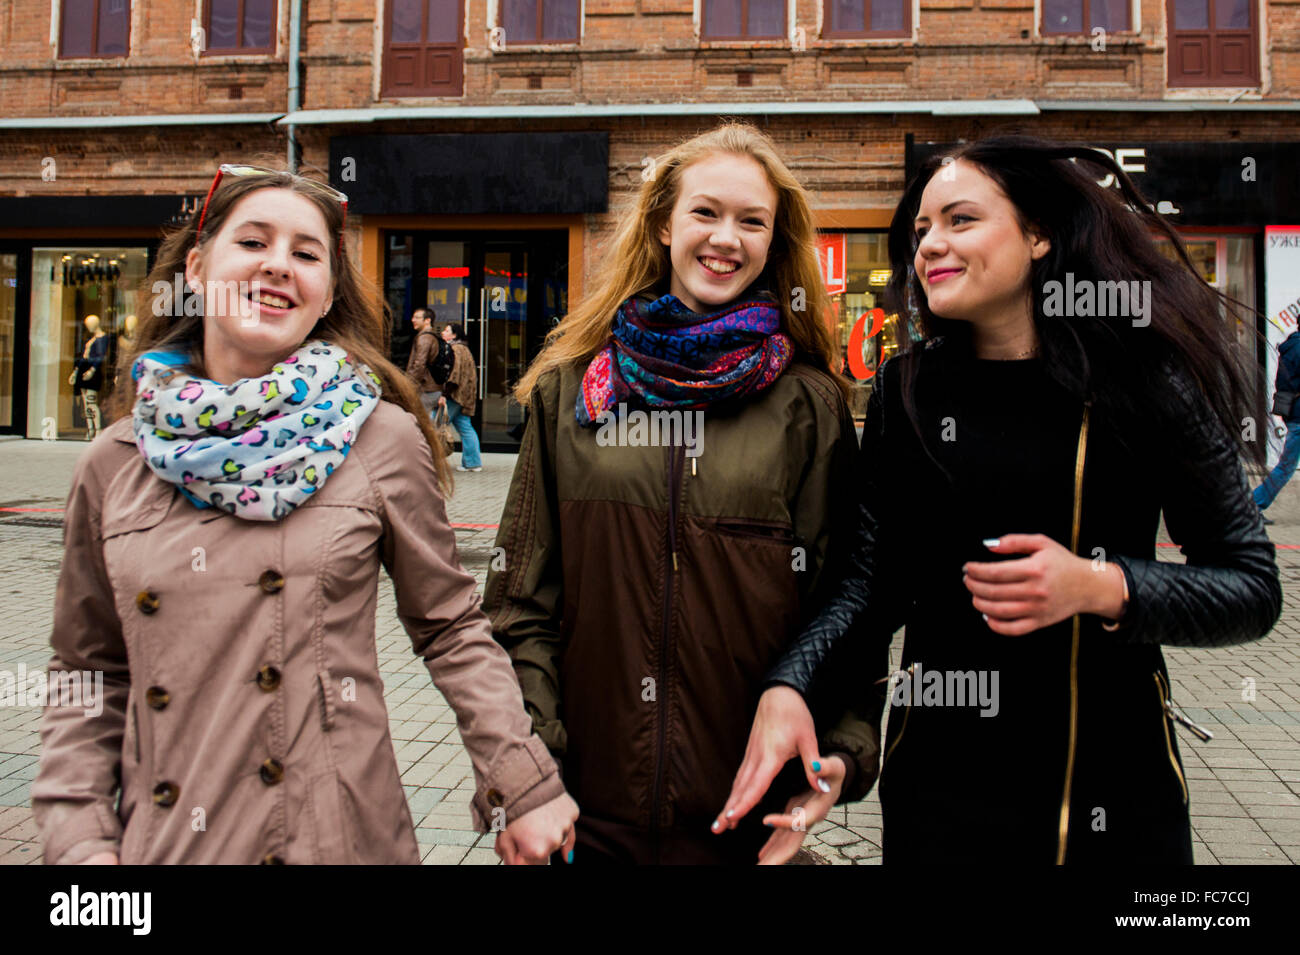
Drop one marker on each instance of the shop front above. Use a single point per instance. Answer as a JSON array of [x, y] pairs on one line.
[[71, 289], [486, 230]]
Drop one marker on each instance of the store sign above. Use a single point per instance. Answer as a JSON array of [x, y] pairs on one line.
[[1281, 301], [832, 253]]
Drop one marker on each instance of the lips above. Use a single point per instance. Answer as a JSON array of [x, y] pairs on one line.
[[938, 275]]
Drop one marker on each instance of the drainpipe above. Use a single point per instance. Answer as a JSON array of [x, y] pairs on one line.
[[295, 39]]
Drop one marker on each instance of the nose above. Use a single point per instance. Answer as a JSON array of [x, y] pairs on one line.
[[276, 259], [932, 244], [724, 235]]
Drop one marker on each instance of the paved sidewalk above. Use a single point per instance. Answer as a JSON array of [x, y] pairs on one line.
[[1245, 784]]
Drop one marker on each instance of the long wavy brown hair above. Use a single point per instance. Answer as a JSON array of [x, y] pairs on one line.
[[639, 261], [358, 319]]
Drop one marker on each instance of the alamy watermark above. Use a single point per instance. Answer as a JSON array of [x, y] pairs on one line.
[[83, 688], [652, 429], [1088, 299], [917, 686], [219, 298]]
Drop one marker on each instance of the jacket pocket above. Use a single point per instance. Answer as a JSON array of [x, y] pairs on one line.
[[326, 694], [333, 837], [760, 530], [1162, 688]]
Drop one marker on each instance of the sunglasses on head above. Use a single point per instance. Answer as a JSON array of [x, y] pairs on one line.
[[236, 169]]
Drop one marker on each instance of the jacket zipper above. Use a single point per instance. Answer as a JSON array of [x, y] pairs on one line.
[[1167, 709], [1063, 831], [675, 464]]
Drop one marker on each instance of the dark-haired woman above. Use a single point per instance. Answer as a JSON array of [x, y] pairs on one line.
[[1035, 446], [223, 544]]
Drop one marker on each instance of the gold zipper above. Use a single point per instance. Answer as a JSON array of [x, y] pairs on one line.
[[1064, 825], [903, 726], [1166, 708]]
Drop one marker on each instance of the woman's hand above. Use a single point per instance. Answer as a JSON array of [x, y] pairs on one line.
[[1050, 585], [531, 838], [783, 728], [101, 858], [801, 814], [72, 378]]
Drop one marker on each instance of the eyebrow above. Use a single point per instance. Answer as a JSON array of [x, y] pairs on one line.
[[955, 202], [301, 236], [700, 195]]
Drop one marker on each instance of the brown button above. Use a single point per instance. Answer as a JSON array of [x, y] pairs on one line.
[[271, 582], [272, 859], [495, 798], [166, 794], [272, 771], [268, 678], [147, 601], [157, 697]]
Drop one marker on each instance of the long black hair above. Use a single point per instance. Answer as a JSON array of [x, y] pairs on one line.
[[1099, 235]]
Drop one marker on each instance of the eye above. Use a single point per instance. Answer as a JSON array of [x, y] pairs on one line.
[[758, 222], [702, 209], [310, 256], [961, 216], [920, 233], [250, 243]]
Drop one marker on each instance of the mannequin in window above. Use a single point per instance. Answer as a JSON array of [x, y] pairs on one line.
[[88, 374]]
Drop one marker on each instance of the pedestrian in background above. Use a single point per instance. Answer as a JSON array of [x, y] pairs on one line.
[[221, 569], [423, 350], [648, 586], [1286, 386], [460, 394], [1015, 463]]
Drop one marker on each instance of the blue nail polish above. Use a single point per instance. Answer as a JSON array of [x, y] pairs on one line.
[[569, 858], [768, 824], [817, 767]]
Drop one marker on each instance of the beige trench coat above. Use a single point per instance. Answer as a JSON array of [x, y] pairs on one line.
[[240, 673]]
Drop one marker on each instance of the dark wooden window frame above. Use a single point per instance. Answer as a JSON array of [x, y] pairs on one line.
[[577, 38], [239, 50], [865, 33], [1180, 81], [1086, 31], [386, 91], [94, 35], [744, 18]]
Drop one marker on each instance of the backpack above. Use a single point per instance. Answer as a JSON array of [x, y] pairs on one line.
[[441, 361]]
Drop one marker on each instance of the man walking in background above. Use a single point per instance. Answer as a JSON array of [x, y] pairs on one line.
[[461, 395], [423, 351], [1285, 406]]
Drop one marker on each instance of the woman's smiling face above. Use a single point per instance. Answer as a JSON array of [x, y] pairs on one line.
[[265, 279], [720, 229], [972, 256]]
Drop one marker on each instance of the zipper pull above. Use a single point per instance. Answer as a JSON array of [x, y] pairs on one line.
[[674, 561], [1178, 716], [692, 467]]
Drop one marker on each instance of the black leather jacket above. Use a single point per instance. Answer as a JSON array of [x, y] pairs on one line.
[[1226, 593]]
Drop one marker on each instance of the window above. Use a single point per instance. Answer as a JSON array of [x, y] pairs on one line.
[[539, 21], [240, 26], [1084, 16], [422, 48], [94, 27], [743, 19], [1213, 43], [867, 18]]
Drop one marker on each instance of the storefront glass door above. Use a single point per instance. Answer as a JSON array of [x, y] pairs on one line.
[[505, 291], [8, 336]]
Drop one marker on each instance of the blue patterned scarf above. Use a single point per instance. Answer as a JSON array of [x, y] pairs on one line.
[[259, 447]]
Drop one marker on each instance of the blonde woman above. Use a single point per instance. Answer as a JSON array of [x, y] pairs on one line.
[[674, 510], [223, 543]]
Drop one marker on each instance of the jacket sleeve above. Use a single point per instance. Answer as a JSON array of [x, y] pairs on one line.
[[844, 650], [419, 358], [438, 606], [848, 721], [79, 773], [1228, 591], [524, 598]]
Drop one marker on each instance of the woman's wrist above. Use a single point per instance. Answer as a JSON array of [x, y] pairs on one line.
[[1108, 592]]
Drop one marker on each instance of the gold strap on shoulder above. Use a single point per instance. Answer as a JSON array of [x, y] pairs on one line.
[[1064, 833]]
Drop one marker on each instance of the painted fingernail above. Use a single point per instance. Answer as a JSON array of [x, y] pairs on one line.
[[717, 824], [569, 857], [817, 767], [991, 542], [985, 616], [823, 786], [730, 813], [766, 823]]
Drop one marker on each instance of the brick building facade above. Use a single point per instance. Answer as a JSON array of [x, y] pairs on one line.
[[115, 113]]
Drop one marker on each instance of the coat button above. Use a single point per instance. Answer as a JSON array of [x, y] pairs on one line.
[[157, 697], [271, 582], [147, 601], [268, 678], [272, 771], [495, 798], [166, 794], [272, 859]]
